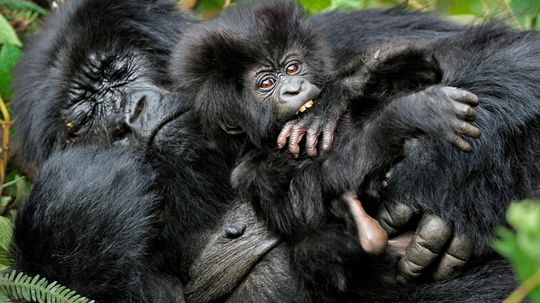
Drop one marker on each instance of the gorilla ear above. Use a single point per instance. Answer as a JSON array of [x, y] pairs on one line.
[[230, 129]]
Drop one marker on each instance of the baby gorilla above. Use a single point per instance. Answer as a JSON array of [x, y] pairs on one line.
[[256, 67]]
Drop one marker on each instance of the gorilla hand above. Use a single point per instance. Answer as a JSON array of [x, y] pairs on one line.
[[434, 244], [320, 120]]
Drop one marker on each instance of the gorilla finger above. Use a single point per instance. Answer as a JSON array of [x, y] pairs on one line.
[[465, 111], [297, 133], [393, 216], [459, 142], [284, 134], [328, 131], [428, 242], [386, 179], [461, 95], [468, 130], [312, 137], [456, 257]]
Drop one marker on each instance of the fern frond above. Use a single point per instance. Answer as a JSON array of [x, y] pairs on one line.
[[18, 286]]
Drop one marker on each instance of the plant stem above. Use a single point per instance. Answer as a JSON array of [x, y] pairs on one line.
[[5, 124], [529, 285]]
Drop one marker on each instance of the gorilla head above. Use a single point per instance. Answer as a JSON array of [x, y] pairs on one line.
[[103, 63]]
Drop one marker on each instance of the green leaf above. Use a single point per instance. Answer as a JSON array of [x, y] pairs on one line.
[[5, 201], [9, 56], [525, 11], [19, 286], [348, 5], [460, 7], [522, 247], [22, 5], [7, 33], [6, 235], [315, 6]]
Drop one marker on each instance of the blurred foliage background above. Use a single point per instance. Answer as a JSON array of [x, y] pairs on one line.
[[520, 13], [19, 18]]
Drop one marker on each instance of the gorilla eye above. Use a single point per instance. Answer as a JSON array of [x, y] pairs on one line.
[[267, 83], [292, 69]]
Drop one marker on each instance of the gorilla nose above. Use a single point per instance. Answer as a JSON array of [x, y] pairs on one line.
[[135, 106], [292, 87]]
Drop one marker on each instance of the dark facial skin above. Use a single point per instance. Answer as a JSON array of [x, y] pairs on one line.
[[288, 86], [120, 105]]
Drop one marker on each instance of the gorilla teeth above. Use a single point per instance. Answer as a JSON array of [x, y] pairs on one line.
[[306, 105]]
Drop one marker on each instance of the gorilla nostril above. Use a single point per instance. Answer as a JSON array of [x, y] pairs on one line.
[[137, 111], [291, 93]]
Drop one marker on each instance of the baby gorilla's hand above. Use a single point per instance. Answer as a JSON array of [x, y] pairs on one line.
[[312, 124], [448, 111]]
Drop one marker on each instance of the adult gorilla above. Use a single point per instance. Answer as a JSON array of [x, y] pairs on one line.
[[133, 226], [118, 225]]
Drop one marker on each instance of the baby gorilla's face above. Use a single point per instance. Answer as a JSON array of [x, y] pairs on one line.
[[287, 84]]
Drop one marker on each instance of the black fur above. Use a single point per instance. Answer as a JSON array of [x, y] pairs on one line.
[[183, 182], [189, 180], [139, 33], [94, 75], [502, 67], [222, 91], [91, 228]]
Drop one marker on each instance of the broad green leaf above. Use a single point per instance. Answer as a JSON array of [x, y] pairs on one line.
[[7, 33], [315, 6], [9, 56], [522, 247], [16, 185], [460, 7], [348, 5], [5, 201], [209, 8], [525, 11], [525, 218], [211, 5]]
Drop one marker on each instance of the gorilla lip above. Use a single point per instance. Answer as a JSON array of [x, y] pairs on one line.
[[181, 111]]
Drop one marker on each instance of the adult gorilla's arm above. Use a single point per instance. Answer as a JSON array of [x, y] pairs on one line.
[[502, 67]]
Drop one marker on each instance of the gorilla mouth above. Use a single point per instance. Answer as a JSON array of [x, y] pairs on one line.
[[305, 106], [162, 125]]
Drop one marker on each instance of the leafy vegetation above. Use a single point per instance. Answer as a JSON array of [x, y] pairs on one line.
[[521, 245], [18, 19]]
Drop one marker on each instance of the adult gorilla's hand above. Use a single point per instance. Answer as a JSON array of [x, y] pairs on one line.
[[434, 244]]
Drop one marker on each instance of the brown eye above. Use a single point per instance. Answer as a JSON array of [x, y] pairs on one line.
[[267, 83], [293, 69]]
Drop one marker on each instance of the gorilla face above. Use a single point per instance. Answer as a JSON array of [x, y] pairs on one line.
[[95, 75], [112, 99]]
